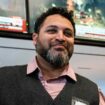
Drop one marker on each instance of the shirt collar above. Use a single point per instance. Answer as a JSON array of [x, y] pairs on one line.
[[32, 66]]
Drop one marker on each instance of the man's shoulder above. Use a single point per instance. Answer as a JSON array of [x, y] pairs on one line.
[[11, 77], [85, 80], [12, 70]]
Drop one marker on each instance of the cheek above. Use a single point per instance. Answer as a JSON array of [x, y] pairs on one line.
[[44, 42], [70, 44], [71, 41]]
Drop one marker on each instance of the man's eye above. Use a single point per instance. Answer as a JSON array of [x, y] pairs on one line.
[[52, 31], [68, 33]]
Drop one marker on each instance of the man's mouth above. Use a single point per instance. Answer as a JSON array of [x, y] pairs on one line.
[[59, 47]]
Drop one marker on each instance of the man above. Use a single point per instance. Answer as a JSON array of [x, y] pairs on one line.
[[49, 79]]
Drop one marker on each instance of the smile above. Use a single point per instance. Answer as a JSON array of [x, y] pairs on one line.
[[59, 47]]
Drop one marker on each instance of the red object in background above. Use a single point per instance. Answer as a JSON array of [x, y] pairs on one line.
[[14, 24]]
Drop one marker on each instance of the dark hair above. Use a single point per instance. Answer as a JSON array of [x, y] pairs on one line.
[[51, 11]]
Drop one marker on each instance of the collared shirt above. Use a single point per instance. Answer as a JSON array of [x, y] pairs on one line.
[[51, 85]]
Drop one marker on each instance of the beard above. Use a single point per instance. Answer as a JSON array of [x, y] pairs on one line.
[[57, 58]]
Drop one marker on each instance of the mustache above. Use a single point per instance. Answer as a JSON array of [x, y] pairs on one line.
[[61, 43]]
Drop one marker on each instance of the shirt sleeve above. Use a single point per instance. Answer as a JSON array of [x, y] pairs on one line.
[[102, 98]]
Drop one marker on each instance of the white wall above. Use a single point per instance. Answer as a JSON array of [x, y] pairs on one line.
[[15, 51]]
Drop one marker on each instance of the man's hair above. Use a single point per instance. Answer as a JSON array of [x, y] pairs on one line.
[[51, 11]]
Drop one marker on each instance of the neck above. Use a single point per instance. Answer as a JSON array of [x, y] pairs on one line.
[[48, 71]]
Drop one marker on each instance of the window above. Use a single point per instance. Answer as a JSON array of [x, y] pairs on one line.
[[36, 7], [90, 19], [13, 15], [17, 18]]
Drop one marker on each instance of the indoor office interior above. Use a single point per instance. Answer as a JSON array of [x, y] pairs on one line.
[[17, 18]]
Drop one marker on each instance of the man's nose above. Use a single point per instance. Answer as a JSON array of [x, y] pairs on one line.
[[60, 36]]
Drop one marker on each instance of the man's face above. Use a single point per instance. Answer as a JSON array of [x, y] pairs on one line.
[[55, 40]]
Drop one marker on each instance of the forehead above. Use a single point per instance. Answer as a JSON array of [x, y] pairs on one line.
[[57, 20]]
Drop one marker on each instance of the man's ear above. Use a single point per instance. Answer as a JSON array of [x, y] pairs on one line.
[[34, 38]]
